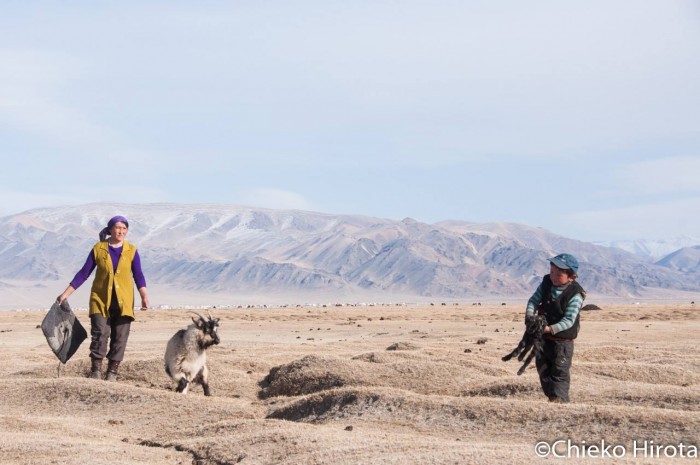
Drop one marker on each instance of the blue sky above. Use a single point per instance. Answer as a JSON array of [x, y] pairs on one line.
[[579, 117]]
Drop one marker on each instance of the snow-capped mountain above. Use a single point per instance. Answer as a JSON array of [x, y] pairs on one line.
[[653, 249], [226, 249]]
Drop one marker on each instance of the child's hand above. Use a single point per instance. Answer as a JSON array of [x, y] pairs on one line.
[[547, 330]]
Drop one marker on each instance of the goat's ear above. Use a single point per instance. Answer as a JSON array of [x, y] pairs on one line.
[[197, 322]]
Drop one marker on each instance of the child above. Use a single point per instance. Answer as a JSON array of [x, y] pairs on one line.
[[559, 298]]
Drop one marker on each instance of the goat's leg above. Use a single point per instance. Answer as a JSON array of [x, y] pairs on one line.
[[505, 358], [182, 385], [515, 352], [528, 347], [203, 379], [527, 361]]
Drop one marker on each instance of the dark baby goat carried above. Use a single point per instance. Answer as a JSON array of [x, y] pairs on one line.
[[531, 341], [186, 354]]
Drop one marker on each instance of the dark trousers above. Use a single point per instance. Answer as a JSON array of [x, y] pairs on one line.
[[115, 328], [553, 366]]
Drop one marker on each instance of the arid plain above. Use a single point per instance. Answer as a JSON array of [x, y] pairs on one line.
[[382, 384]]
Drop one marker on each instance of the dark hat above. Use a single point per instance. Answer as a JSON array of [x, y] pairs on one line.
[[565, 261]]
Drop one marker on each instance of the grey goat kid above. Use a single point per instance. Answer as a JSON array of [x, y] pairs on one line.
[[186, 354], [532, 339]]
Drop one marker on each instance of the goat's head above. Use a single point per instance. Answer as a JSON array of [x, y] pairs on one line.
[[534, 324], [209, 329]]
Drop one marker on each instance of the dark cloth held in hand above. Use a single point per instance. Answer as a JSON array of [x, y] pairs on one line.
[[63, 331]]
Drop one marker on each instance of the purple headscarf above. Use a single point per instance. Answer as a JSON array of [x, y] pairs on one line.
[[116, 219]]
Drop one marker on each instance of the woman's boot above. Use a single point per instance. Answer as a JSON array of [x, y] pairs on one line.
[[95, 368], [112, 370]]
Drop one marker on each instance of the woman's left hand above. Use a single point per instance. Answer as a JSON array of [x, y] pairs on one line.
[[145, 301]]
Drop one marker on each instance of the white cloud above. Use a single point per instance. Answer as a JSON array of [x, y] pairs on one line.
[[126, 194], [14, 201], [275, 198], [649, 221], [663, 175]]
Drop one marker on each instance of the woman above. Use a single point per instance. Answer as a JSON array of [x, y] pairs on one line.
[[112, 295]]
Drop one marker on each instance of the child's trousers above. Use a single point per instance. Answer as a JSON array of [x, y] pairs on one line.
[[553, 366]]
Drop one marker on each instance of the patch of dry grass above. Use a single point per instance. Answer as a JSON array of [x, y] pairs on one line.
[[389, 385]]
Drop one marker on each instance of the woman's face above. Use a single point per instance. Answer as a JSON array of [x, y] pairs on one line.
[[558, 276], [118, 231]]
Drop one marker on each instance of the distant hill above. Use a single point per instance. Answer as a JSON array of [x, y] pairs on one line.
[[232, 249], [686, 260]]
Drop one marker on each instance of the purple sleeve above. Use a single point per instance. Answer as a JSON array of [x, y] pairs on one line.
[[139, 279], [85, 272]]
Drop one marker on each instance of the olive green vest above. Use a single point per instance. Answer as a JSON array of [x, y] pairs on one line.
[[106, 277]]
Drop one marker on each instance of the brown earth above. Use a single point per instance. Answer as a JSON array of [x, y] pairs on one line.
[[355, 385]]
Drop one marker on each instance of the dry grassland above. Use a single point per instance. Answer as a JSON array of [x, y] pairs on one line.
[[354, 385]]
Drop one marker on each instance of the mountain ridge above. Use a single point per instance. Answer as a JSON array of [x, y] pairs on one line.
[[236, 249]]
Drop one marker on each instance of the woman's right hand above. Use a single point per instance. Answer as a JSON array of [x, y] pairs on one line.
[[69, 290]]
